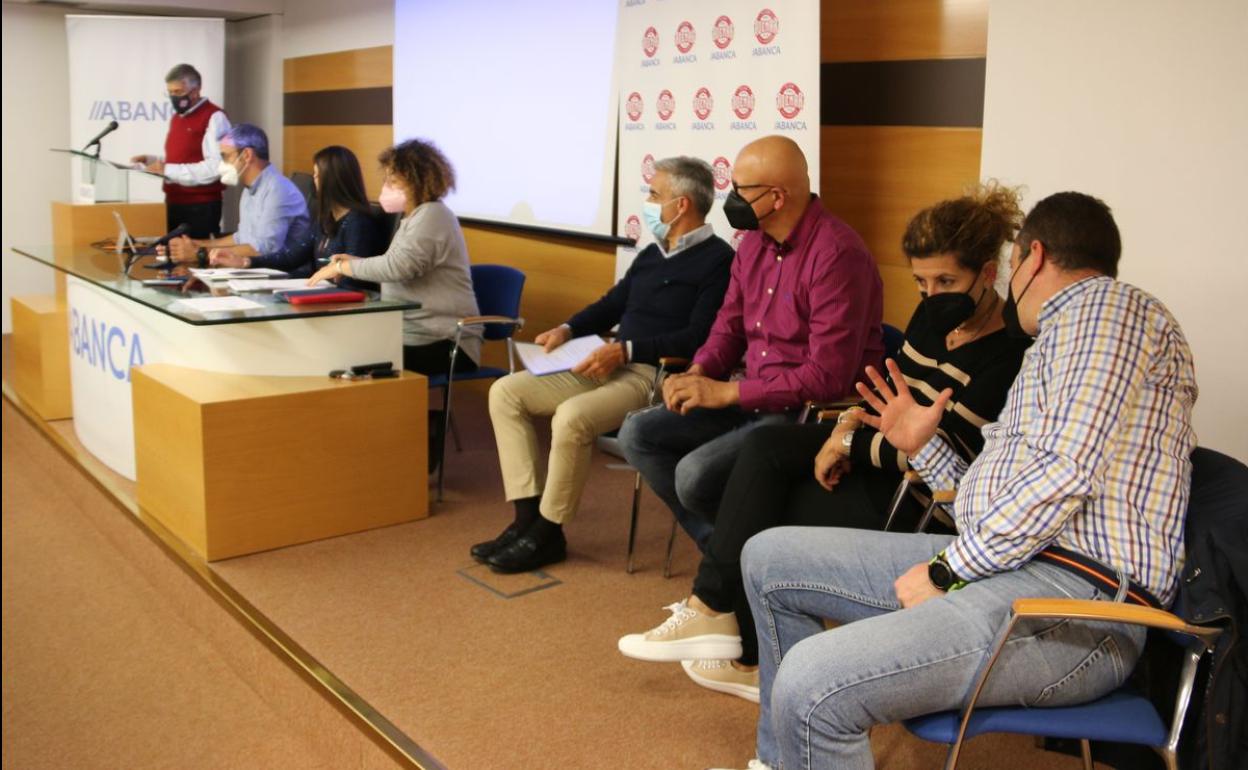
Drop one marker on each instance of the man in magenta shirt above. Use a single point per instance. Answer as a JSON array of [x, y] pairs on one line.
[[802, 314]]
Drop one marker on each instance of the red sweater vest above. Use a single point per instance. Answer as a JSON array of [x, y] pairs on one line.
[[185, 144]]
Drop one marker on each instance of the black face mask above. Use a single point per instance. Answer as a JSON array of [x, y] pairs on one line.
[[740, 212], [946, 311], [181, 103], [1009, 313]]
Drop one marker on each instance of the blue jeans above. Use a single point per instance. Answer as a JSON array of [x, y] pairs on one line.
[[821, 691], [686, 459]]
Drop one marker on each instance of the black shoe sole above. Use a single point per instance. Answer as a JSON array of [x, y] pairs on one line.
[[508, 569]]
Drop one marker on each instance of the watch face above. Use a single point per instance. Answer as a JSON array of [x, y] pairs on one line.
[[939, 573]]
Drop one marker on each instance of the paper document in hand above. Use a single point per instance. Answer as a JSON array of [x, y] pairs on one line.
[[561, 359], [279, 284], [213, 304]]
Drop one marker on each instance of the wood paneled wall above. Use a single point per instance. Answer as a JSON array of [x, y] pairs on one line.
[[906, 139], [344, 98], [913, 136]]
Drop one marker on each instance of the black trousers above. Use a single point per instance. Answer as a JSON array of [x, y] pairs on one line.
[[204, 219], [773, 484], [435, 358]]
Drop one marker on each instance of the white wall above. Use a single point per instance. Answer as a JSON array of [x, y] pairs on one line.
[[323, 26], [36, 118], [1141, 103]]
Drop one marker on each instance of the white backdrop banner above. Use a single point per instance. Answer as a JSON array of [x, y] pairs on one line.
[[704, 79], [117, 67]]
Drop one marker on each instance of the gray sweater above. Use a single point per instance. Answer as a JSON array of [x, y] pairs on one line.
[[428, 262]]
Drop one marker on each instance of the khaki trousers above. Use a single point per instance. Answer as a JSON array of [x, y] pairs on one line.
[[580, 411]]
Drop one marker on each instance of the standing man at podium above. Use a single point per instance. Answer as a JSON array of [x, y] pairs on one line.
[[190, 163]]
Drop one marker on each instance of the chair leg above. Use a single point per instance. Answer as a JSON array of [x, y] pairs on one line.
[[455, 433], [632, 523], [1085, 749], [927, 517], [898, 497], [446, 425], [671, 540]]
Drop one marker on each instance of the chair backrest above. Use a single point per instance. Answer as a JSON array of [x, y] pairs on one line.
[[498, 289], [307, 186], [894, 338]]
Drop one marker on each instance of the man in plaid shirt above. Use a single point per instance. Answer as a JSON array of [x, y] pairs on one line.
[[1080, 492]]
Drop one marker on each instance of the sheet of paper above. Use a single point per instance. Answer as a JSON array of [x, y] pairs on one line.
[[561, 359], [213, 304], [226, 273], [273, 284]]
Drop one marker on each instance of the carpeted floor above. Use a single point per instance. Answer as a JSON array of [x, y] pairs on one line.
[[114, 657], [481, 671]]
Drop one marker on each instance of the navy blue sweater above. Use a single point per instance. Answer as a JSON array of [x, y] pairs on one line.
[[664, 306], [357, 234]]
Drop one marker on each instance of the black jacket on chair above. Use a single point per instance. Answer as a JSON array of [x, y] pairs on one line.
[[1214, 590]]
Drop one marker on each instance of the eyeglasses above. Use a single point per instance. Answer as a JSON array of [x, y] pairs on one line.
[[736, 189]]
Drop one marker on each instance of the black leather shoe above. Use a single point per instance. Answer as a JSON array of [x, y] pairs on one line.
[[483, 551], [528, 553]]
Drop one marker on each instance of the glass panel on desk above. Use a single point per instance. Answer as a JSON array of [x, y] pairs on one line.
[[106, 269]]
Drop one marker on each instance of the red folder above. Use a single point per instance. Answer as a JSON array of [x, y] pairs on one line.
[[319, 296]]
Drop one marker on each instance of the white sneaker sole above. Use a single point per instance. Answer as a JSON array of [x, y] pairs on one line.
[[740, 690], [707, 646]]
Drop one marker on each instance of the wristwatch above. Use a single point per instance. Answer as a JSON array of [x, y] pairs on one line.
[[847, 440], [942, 575], [201, 256]]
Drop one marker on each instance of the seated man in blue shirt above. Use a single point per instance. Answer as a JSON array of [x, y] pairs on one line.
[[272, 214]]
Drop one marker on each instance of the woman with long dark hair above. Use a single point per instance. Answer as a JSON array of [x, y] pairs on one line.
[[346, 223], [427, 260]]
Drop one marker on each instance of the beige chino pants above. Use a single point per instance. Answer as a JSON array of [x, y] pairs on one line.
[[580, 411]]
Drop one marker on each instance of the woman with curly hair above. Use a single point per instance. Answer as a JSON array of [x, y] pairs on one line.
[[427, 260]]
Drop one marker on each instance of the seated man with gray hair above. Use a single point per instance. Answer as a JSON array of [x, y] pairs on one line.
[[664, 306], [272, 214]]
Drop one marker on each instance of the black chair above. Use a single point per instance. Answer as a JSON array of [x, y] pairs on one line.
[[609, 443]]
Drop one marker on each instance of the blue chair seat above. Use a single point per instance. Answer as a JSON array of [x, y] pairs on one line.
[[481, 373], [1123, 716]]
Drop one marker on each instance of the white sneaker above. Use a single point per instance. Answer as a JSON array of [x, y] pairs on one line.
[[686, 635], [754, 765], [722, 676]]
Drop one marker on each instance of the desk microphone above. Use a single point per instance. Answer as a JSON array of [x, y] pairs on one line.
[[110, 128], [147, 251], [176, 232]]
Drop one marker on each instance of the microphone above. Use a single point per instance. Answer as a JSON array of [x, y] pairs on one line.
[[110, 128], [176, 232], [163, 240]]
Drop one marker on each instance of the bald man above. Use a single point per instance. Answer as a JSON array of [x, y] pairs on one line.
[[802, 315]]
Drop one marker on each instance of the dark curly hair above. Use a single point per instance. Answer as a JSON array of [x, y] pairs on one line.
[[973, 227], [420, 167]]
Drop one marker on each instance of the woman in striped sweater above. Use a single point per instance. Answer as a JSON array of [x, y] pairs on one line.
[[955, 339]]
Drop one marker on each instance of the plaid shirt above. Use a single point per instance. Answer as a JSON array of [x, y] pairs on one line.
[[1091, 451]]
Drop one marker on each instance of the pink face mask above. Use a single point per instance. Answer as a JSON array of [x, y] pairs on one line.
[[393, 200]]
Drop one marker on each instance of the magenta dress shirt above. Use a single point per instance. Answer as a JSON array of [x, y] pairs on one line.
[[805, 315]]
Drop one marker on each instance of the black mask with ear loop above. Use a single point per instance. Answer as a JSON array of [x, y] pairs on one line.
[[947, 310], [1009, 313], [740, 212]]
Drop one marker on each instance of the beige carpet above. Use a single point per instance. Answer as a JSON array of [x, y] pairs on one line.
[[484, 681], [115, 658]]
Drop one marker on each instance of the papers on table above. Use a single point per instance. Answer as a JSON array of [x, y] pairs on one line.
[[561, 359], [237, 273], [273, 284], [213, 305]]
